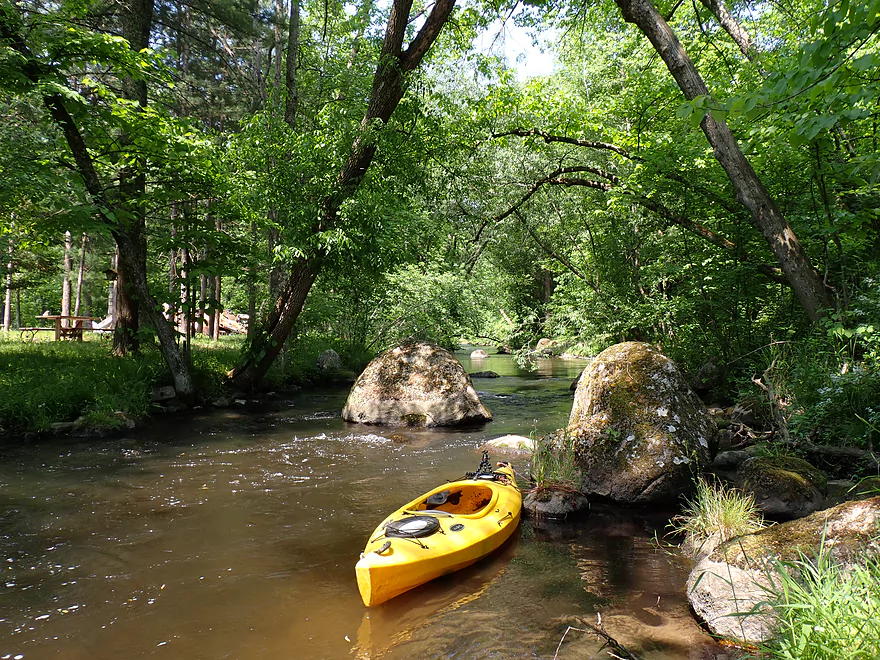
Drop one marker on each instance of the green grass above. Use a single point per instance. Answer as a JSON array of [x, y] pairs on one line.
[[716, 514], [554, 466], [826, 612], [46, 382]]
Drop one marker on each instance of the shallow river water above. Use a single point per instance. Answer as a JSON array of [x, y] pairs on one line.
[[233, 534]]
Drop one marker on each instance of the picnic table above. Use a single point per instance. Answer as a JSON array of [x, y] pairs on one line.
[[72, 330]]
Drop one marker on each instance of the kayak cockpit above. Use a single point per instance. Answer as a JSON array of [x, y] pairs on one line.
[[461, 500]]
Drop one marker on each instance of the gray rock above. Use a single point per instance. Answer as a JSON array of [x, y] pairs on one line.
[[485, 374], [511, 444], [730, 588], [61, 427], [162, 393], [479, 353], [731, 460], [554, 503], [640, 433], [329, 360], [414, 384], [785, 487]]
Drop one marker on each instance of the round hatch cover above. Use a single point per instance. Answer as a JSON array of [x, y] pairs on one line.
[[415, 527]]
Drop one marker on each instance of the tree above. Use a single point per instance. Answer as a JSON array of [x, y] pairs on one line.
[[804, 279], [117, 207], [388, 87]]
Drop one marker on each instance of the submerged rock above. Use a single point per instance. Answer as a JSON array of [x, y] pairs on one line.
[[640, 434], [785, 487], [414, 384], [552, 503], [729, 590], [517, 444], [485, 374]]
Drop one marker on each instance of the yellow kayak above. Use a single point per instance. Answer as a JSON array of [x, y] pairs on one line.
[[442, 531]]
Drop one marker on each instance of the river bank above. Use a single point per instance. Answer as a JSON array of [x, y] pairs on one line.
[[80, 389]]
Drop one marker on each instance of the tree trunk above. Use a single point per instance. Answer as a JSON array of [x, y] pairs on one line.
[[216, 307], [80, 275], [137, 19], [7, 306], [66, 285], [727, 21], [805, 281], [112, 288], [388, 87]]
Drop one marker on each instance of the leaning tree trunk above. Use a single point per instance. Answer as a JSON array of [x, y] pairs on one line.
[[388, 87], [805, 281]]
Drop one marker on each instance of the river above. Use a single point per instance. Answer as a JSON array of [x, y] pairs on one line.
[[234, 534]]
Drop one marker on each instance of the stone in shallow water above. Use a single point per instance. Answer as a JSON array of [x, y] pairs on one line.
[[639, 432], [415, 384], [517, 444]]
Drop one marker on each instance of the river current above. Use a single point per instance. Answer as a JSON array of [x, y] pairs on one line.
[[234, 534]]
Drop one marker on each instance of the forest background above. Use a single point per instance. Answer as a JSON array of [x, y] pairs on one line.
[[701, 176]]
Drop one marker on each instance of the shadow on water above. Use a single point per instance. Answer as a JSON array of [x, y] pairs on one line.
[[228, 534]]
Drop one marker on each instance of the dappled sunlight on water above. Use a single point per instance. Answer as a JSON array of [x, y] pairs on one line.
[[231, 535]]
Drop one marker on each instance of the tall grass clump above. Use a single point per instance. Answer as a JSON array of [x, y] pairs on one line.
[[554, 466], [826, 611], [716, 513]]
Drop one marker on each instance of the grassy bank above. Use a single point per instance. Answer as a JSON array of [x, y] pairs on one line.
[[45, 382]]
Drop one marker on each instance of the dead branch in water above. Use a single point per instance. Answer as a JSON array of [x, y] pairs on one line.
[[614, 648]]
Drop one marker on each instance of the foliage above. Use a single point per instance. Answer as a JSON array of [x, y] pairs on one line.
[[554, 465], [716, 513], [46, 382], [49, 382], [826, 611]]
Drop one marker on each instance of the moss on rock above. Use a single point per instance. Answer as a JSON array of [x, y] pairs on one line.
[[784, 486], [640, 433]]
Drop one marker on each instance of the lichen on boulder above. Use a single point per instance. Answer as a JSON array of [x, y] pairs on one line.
[[730, 590], [640, 434], [784, 487], [415, 384]]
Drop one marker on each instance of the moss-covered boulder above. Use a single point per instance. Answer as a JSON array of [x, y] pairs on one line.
[[414, 384], [730, 588], [639, 432], [785, 487]]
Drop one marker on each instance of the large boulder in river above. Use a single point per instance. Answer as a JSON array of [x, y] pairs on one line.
[[414, 384], [785, 487], [730, 589], [640, 434]]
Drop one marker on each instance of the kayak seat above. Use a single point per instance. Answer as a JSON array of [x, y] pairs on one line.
[[465, 501]]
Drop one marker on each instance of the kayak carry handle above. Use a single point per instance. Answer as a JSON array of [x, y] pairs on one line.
[[383, 548]]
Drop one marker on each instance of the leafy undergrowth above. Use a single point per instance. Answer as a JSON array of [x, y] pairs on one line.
[[46, 382], [826, 611]]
